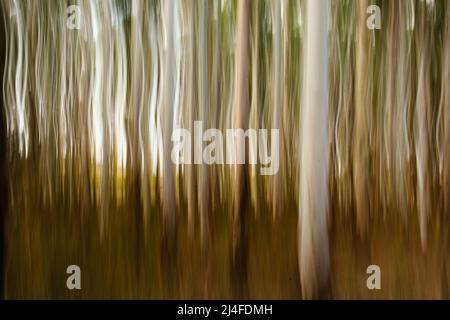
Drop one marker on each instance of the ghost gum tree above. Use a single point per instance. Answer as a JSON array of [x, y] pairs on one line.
[[396, 98], [422, 115], [341, 97], [3, 176], [202, 65], [168, 188], [443, 130], [241, 120], [277, 95], [313, 200], [138, 97], [188, 99], [361, 125]]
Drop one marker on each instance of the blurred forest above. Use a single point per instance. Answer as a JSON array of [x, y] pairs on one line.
[[86, 175]]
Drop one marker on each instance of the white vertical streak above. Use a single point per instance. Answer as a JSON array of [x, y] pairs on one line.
[[313, 237]]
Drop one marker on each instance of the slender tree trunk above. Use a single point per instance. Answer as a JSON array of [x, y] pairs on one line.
[[255, 99], [445, 109], [361, 126], [422, 117], [168, 190], [313, 234], [189, 105], [277, 96], [202, 65], [240, 177], [3, 169]]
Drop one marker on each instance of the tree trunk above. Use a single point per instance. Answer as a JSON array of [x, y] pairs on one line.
[[313, 236], [168, 190], [240, 177], [361, 125], [3, 169]]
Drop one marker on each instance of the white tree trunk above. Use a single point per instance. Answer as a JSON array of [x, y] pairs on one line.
[[202, 65], [168, 189], [313, 236], [277, 95]]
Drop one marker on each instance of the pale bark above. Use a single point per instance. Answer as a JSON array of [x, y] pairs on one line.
[[202, 67], [422, 120], [361, 126], [277, 96], [168, 188], [313, 235], [239, 182], [241, 96]]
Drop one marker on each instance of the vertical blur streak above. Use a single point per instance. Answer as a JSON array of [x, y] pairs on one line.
[[3, 163], [203, 69], [240, 178], [399, 102], [277, 96], [361, 126], [422, 116], [341, 98], [312, 229], [443, 126], [255, 99], [168, 189], [187, 102]]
